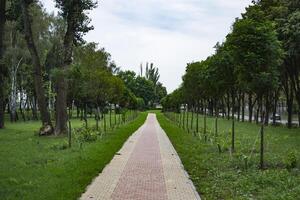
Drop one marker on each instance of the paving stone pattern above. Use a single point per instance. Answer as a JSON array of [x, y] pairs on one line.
[[146, 168]]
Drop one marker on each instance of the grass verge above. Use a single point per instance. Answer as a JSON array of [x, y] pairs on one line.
[[223, 176], [34, 167]]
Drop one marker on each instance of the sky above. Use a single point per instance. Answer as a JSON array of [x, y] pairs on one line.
[[168, 33]]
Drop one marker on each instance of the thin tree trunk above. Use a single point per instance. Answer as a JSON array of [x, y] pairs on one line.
[[2, 65], [110, 117], [275, 106], [267, 111], [239, 107], [228, 106], [233, 123], [243, 107], [38, 77], [290, 111], [187, 118], [192, 119], [197, 119], [250, 107], [13, 94]]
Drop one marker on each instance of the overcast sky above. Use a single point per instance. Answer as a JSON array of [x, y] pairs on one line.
[[169, 33]]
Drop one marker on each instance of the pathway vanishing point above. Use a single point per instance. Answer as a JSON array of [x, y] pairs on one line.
[[146, 168]]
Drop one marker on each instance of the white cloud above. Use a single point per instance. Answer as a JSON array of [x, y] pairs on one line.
[[169, 33]]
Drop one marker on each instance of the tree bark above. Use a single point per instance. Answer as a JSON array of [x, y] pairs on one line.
[[243, 107], [289, 94], [250, 107], [62, 84], [239, 106], [276, 93], [2, 66], [38, 78]]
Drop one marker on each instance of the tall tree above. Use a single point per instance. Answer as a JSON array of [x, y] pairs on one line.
[[73, 11], [2, 66], [38, 74]]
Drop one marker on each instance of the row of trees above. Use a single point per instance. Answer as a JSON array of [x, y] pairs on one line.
[[257, 64], [47, 67], [146, 87]]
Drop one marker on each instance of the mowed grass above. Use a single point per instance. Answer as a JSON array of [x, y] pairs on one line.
[[33, 167], [224, 175]]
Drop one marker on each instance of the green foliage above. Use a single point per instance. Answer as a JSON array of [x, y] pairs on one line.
[[290, 161], [74, 11], [150, 91], [84, 134]]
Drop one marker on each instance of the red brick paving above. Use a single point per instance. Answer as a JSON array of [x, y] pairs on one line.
[[143, 176]]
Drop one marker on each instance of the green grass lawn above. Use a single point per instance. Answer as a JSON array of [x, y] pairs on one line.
[[33, 167], [224, 175]]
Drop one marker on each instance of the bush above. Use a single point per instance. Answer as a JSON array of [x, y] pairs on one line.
[[290, 161], [85, 135]]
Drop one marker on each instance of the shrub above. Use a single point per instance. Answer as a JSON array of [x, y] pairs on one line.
[[85, 135], [290, 161]]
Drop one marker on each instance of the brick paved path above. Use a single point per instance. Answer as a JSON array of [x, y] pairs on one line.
[[146, 168]]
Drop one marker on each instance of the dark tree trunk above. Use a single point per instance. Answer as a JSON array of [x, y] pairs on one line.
[[239, 107], [223, 108], [289, 104], [243, 107], [299, 115], [192, 119], [187, 118], [250, 107], [110, 117], [233, 123], [262, 145], [197, 118], [2, 66], [38, 78], [62, 84], [228, 106], [289, 95], [275, 102], [265, 116], [34, 109]]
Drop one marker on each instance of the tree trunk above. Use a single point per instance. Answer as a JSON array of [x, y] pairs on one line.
[[250, 107], [243, 107], [233, 123], [62, 84], [38, 77], [34, 109], [2, 66], [13, 93], [187, 118], [228, 106], [289, 103], [197, 119], [239, 107], [275, 106], [267, 111], [262, 146], [192, 119]]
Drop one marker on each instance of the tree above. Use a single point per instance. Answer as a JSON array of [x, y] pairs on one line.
[[73, 12], [258, 54], [38, 76], [143, 87], [2, 66]]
